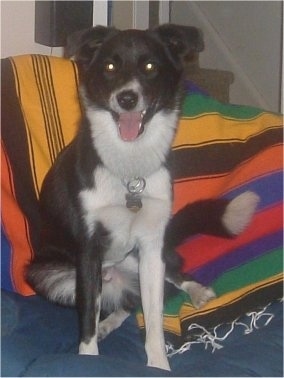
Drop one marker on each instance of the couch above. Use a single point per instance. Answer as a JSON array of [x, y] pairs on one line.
[[220, 150]]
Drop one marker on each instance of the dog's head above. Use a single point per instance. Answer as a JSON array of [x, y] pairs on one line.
[[133, 74]]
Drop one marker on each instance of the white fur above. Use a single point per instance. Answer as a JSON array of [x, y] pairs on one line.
[[91, 347], [152, 275], [239, 212], [133, 85], [112, 322], [59, 283], [130, 159], [199, 294], [120, 277], [105, 203]]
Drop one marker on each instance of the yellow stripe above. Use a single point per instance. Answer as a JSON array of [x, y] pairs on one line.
[[53, 127], [205, 114], [43, 129], [189, 311], [203, 130], [24, 99]]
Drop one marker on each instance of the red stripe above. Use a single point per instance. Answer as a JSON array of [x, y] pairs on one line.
[[16, 227], [194, 189], [204, 249]]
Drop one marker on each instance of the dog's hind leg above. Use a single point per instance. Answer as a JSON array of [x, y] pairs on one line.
[[220, 217], [112, 322], [198, 293]]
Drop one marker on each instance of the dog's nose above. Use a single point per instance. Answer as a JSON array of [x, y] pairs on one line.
[[127, 99]]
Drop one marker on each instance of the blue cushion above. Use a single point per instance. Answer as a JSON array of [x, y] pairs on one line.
[[40, 339]]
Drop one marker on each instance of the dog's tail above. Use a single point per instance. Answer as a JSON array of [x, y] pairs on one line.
[[219, 217]]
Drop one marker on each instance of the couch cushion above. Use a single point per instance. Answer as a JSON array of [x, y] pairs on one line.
[[41, 339], [219, 151], [40, 113]]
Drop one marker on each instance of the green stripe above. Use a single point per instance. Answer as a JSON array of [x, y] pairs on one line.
[[257, 270], [196, 105], [173, 305]]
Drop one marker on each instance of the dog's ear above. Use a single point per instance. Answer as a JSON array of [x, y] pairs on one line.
[[180, 40], [82, 45]]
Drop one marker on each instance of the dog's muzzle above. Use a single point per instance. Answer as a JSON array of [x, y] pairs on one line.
[[128, 116]]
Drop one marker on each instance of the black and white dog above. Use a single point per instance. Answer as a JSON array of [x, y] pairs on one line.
[[108, 237]]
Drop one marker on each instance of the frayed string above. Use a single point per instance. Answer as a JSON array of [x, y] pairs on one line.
[[255, 317], [213, 337]]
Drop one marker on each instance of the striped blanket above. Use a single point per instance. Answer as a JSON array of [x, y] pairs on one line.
[[220, 150]]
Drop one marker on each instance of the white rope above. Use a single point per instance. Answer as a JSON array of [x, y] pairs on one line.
[[213, 337]]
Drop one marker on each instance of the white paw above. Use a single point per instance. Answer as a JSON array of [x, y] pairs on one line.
[[112, 322], [105, 328], [89, 348], [155, 349], [239, 212], [160, 363], [199, 294]]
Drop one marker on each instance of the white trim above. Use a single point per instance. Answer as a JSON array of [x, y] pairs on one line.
[[100, 12], [164, 11], [140, 18]]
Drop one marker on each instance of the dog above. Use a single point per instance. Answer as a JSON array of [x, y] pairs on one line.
[[107, 235]]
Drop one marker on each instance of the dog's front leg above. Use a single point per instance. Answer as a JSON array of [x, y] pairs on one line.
[[151, 274], [88, 297]]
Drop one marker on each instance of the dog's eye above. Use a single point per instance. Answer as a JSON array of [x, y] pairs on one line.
[[110, 67], [150, 67]]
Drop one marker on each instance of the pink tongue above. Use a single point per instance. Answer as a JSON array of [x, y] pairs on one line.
[[129, 125]]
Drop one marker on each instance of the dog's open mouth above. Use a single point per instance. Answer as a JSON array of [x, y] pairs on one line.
[[130, 125]]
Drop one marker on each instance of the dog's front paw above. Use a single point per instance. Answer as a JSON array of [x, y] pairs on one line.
[[160, 363], [199, 294], [90, 348], [112, 322], [156, 353], [105, 328]]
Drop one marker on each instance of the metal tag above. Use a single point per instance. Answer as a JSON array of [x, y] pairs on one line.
[[133, 198], [136, 185], [133, 202]]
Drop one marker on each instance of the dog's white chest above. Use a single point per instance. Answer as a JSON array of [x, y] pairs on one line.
[[108, 190], [106, 203]]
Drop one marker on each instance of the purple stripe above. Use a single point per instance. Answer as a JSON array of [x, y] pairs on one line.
[[209, 272], [269, 187]]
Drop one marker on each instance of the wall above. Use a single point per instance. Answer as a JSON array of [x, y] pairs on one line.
[[122, 14], [17, 30], [243, 37]]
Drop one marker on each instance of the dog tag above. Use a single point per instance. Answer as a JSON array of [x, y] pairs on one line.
[[133, 202], [133, 199], [136, 185]]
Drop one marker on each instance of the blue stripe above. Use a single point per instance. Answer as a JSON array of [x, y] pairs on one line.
[[269, 188], [6, 253]]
